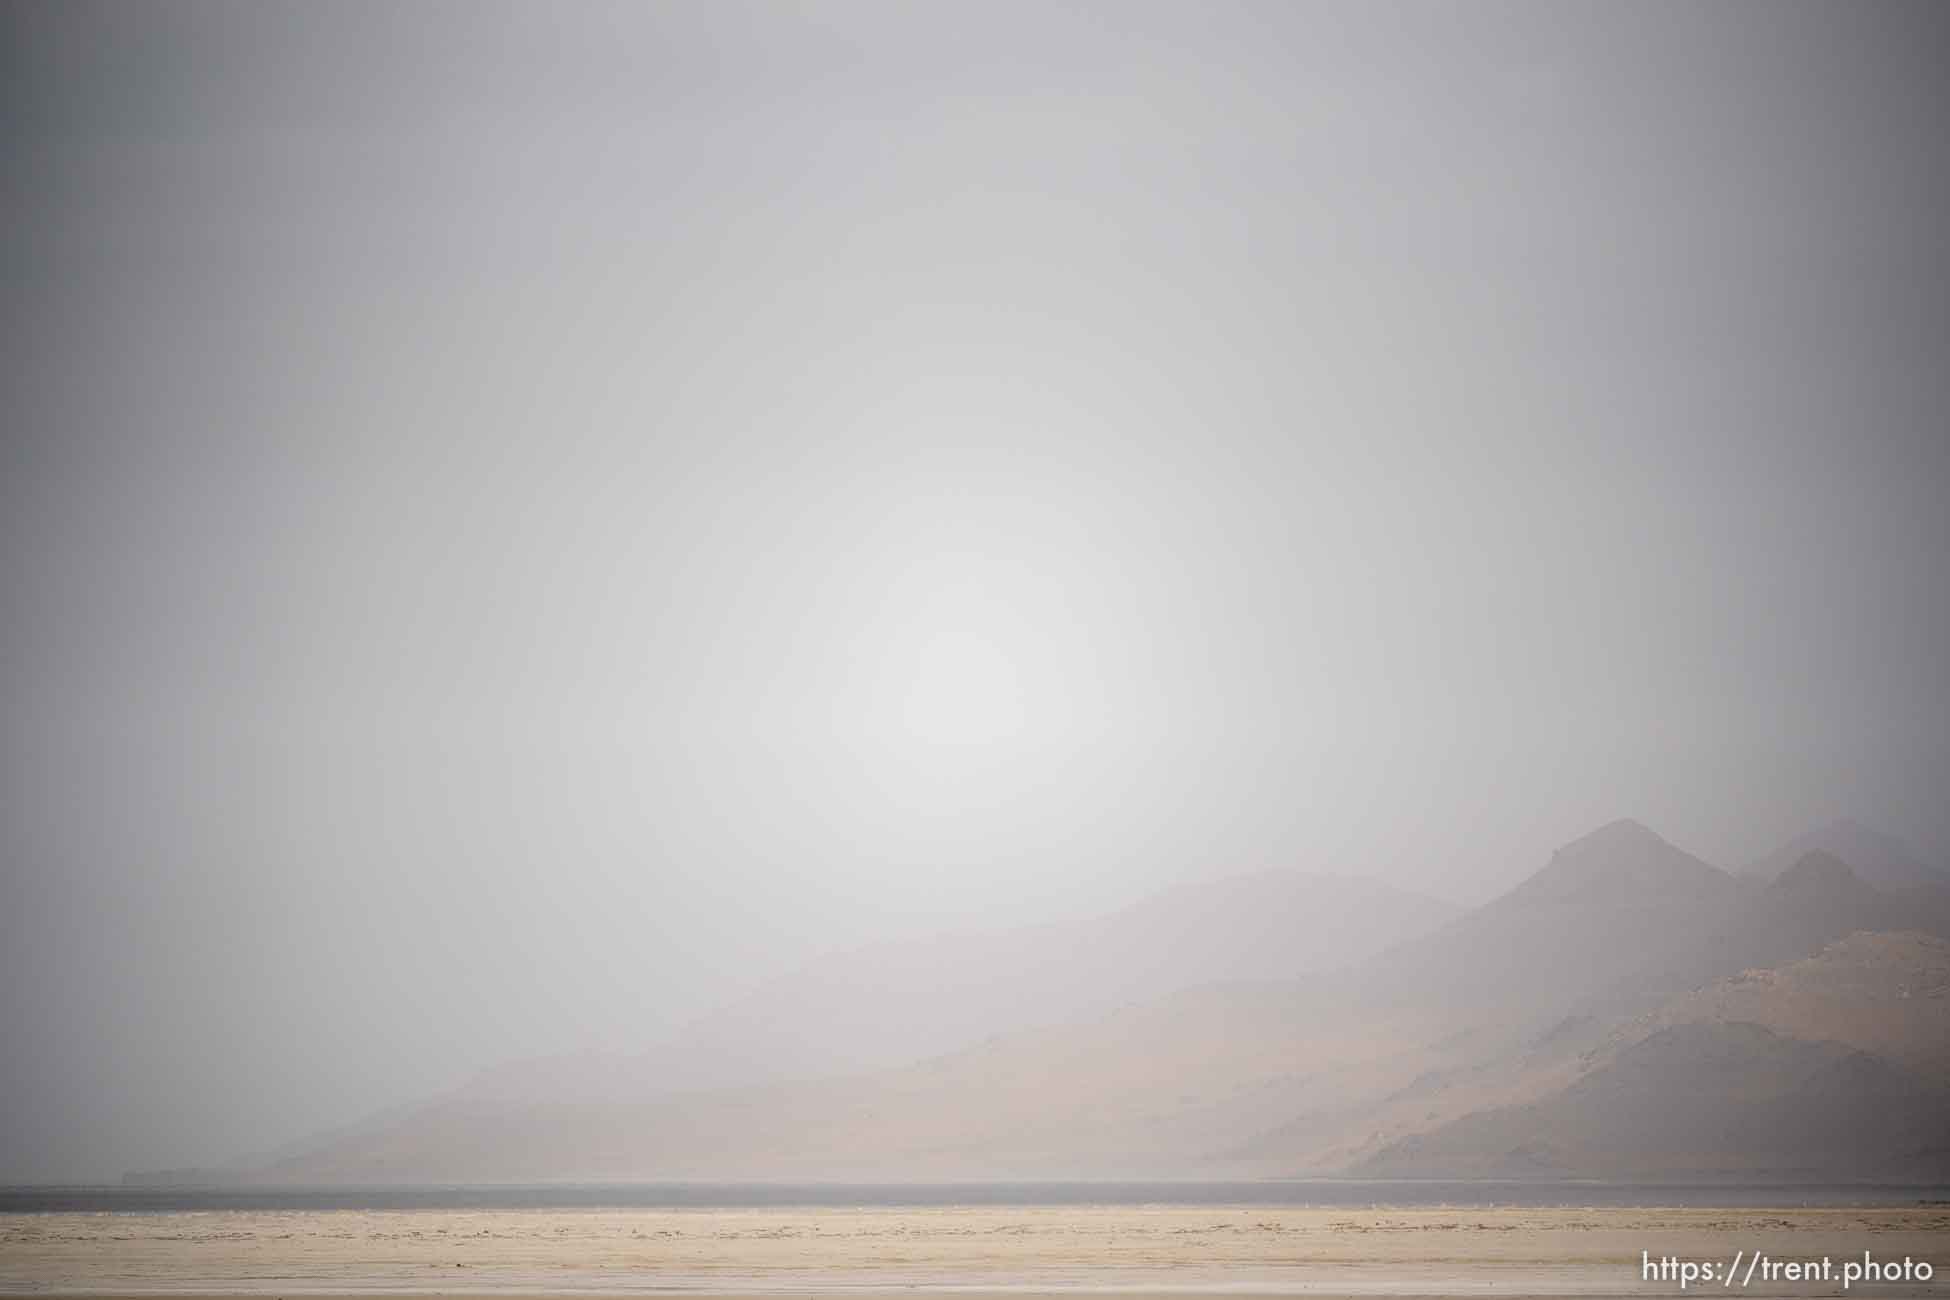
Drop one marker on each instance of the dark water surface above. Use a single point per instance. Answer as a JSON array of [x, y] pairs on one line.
[[664, 1196]]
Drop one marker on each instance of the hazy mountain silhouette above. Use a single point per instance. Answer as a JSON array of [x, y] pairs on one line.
[[1558, 1030], [896, 1003], [1707, 1100], [1886, 993], [1623, 862], [1616, 907], [1880, 859], [892, 1003], [1503, 1003], [1837, 1065]]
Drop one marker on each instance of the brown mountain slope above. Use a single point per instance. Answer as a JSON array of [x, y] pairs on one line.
[[1616, 907], [1497, 1009], [1883, 993], [1837, 1065], [1703, 1100], [894, 1003], [1545, 980], [1151, 1090], [1621, 920]]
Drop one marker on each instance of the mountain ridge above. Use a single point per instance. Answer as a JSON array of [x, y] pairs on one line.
[[1876, 857], [893, 1002], [1516, 1004]]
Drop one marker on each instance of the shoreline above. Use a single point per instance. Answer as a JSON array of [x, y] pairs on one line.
[[1457, 1195], [970, 1252]]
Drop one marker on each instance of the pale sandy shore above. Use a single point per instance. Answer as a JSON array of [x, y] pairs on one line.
[[971, 1251], [958, 1294]]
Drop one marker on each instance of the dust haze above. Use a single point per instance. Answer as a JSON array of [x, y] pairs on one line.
[[555, 557]]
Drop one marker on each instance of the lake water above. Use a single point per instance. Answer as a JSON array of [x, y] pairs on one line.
[[1314, 1193]]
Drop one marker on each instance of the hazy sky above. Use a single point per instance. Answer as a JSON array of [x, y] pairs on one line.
[[514, 521]]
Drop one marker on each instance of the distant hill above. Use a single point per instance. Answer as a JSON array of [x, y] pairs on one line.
[[1834, 1066], [1815, 901], [1886, 993], [1505, 1003], [893, 1003], [1712, 1100], [1620, 919], [1548, 1033], [1624, 862], [1877, 858], [1613, 908]]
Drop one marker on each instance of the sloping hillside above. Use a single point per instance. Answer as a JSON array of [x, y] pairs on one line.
[[894, 1003], [1880, 859], [1151, 1090], [1432, 1057], [1837, 1065], [1703, 1100], [1884, 993], [1613, 909]]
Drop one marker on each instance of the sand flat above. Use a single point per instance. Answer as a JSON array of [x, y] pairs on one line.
[[1018, 1251]]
